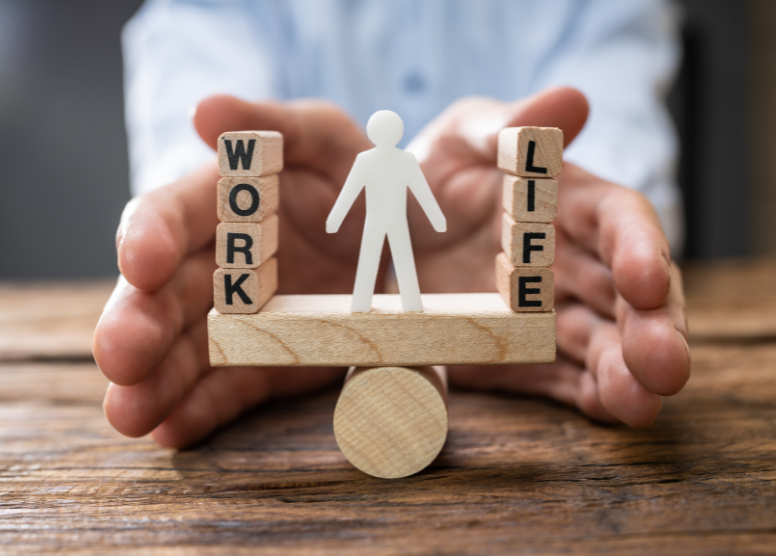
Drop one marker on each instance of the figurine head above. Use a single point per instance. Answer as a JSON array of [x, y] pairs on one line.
[[385, 128]]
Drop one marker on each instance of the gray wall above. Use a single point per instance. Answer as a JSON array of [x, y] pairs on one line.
[[63, 149], [63, 162]]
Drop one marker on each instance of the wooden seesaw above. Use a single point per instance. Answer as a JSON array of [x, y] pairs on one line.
[[391, 418]]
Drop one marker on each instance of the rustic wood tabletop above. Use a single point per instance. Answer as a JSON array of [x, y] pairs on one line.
[[517, 475]]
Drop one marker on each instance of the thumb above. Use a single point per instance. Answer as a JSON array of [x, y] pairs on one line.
[[316, 135]]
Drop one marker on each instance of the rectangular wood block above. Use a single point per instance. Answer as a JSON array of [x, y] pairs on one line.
[[296, 330], [532, 152], [247, 199], [250, 153], [530, 199], [528, 243], [244, 290], [246, 245], [525, 288]]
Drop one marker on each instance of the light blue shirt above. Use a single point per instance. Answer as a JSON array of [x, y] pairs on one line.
[[414, 57]]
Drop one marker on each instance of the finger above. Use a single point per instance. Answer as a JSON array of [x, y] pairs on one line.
[[137, 329], [316, 134], [576, 324], [563, 381], [581, 275], [621, 394], [159, 229], [621, 227], [225, 393], [654, 342], [136, 410]]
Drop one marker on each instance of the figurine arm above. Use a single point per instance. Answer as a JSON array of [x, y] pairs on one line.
[[422, 192], [353, 186]]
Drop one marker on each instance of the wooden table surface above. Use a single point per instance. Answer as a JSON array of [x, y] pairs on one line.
[[517, 475]]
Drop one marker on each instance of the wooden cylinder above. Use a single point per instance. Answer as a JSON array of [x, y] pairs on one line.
[[391, 422]]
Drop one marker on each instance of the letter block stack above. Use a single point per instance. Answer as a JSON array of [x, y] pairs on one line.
[[532, 158], [247, 237]]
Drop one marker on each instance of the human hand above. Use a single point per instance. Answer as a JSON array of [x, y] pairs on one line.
[[622, 330], [151, 341]]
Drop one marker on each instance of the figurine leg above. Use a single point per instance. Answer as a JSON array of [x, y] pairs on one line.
[[366, 274], [404, 263]]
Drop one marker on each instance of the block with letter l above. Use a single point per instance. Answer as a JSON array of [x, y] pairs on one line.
[[532, 152]]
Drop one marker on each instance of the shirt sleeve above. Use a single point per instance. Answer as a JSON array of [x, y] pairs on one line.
[[176, 53], [623, 56]]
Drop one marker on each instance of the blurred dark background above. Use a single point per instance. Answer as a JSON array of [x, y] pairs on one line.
[[63, 146]]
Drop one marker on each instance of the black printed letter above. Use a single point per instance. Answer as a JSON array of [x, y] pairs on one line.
[[529, 161], [236, 190], [528, 247], [239, 154], [523, 291], [245, 249], [230, 289], [531, 196]]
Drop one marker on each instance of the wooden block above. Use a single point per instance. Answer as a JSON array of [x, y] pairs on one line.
[[250, 153], [300, 330], [532, 152], [244, 290], [391, 422], [246, 245], [528, 243], [247, 199], [530, 199], [525, 288]]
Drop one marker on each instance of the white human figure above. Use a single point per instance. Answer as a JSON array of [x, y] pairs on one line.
[[386, 172]]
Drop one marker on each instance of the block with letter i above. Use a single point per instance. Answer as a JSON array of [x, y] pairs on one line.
[[247, 238], [531, 157]]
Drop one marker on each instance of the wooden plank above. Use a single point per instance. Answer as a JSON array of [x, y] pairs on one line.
[[244, 290], [530, 199], [527, 243], [532, 152], [50, 320], [412, 428], [250, 153], [516, 471], [247, 199], [246, 244], [453, 329], [525, 289]]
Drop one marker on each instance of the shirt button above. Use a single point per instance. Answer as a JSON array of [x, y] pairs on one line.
[[414, 83]]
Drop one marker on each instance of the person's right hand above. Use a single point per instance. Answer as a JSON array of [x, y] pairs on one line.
[[151, 341]]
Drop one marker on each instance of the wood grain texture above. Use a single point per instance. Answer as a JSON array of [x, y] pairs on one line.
[[391, 422], [530, 199], [255, 198], [50, 320], [515, 151], [525, 289], [265, 159], [732, 300], [516, 475], [258, 286], [252, 243], [528, 243], [301, 330]]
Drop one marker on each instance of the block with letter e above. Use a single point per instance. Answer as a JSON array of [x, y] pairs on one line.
[[525, 289]]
